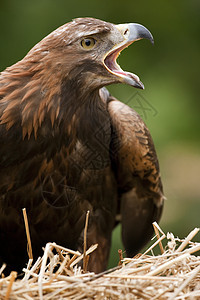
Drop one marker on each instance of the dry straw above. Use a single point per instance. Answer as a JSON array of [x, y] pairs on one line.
[[174, 274]]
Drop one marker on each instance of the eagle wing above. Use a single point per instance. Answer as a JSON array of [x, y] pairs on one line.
[[136, 167]]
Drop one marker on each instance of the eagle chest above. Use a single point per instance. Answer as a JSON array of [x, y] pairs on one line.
[[86, 174]]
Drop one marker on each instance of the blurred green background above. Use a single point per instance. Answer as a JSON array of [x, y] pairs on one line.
[[169, 104]]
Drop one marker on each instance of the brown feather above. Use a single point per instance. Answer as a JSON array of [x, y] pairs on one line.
[[68, 147]]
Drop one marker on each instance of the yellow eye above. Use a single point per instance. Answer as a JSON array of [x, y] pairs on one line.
[[88, 43]]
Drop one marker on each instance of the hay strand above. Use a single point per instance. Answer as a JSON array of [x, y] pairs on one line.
[[186, 282], [157, 228], [190, 236], [29, 246], [174, 274], [85, 257], [13, 275]]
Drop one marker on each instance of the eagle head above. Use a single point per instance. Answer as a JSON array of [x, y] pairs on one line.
[[63, 69], [85, 51]]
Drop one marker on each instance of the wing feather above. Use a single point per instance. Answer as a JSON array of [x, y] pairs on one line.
[[136, 167]]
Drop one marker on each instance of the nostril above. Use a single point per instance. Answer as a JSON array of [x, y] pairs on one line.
[[126, 32]]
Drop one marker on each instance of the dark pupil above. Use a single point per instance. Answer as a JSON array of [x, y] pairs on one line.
[[87, 43]]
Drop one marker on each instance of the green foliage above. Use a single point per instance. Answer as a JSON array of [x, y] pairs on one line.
[[169, 69]]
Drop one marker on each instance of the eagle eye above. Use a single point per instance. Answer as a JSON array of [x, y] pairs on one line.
[[88, 43]]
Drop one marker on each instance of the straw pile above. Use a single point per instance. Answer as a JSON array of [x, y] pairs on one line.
[[174, 274]]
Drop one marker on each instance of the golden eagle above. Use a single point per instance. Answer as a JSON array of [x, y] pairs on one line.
[[68, 146]]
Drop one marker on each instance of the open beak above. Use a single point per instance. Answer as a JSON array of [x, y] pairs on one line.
[[131, 33]]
